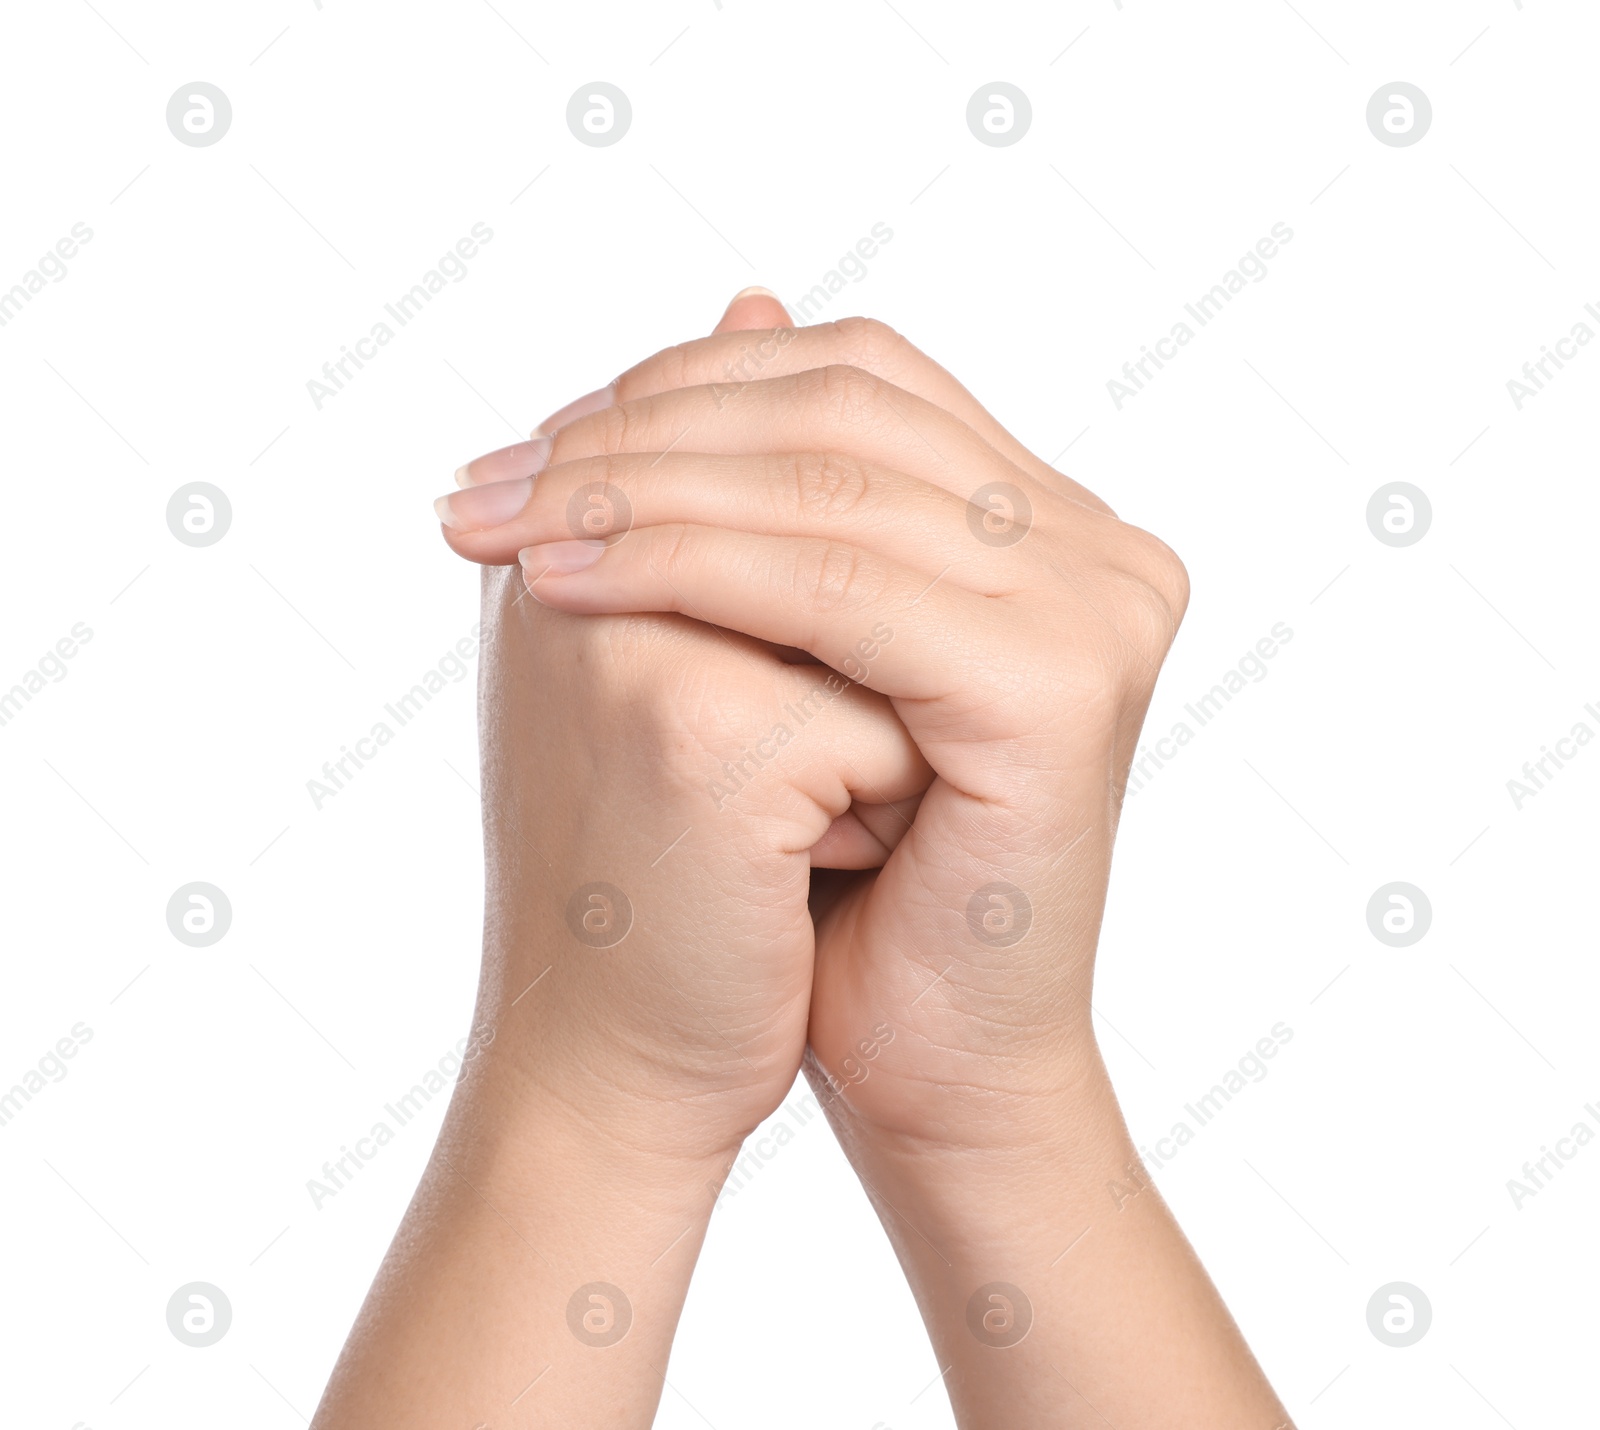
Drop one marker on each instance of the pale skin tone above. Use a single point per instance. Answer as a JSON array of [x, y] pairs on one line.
[[903, 896]]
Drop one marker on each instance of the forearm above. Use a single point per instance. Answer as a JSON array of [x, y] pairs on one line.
[[498, 1303], [1051, 1300]]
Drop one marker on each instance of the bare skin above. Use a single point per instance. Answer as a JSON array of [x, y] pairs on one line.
[[904, 895]]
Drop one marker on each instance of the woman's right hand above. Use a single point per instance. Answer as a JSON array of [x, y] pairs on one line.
[[648, 942]]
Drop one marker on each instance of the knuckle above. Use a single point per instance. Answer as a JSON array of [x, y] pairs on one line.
[[1131, 638], [608, 428], [671, 368], [622, 427], [672, 552], [1172, 580], [849, 394], [1159, 567], [605, 651], [827, 486], [626, 661], [595, 500], [1148, 623], [1110, 633], [604, 467], [868, 343], [1119, 616], [829, 576]]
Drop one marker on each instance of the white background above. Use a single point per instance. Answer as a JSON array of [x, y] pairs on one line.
[[766, 140]]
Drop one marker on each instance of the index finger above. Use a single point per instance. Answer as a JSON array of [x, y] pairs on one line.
[[733, 358]]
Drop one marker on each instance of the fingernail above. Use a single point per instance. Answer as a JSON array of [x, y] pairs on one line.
[[560, 558], [520, 459], [477, 508], [601, 397], [760, 293]]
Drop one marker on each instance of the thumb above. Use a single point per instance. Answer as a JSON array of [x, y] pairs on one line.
[[754, 308]]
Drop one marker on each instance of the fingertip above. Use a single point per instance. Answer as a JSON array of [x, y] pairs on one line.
[[752, 308]]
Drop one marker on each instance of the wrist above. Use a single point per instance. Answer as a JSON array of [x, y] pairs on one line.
[[1046, 1270], [537, 1137], [632, 1081], [1043, 1288], [1043, 1165], [576, 1247]]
